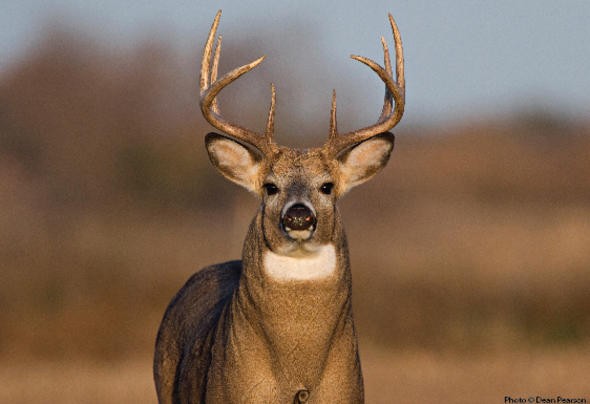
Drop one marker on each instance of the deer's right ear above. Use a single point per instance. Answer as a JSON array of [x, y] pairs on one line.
[[239, 162]]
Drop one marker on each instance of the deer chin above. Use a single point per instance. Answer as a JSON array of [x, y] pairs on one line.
[[298, 248]]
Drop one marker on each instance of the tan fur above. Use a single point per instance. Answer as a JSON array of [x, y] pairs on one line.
[[276, 326], [242, 335]]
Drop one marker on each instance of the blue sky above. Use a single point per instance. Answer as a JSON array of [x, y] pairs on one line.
[[464, 59]]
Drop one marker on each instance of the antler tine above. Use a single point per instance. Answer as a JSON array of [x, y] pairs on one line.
[[394, 100], [387, 101], [270, 122], [206, 61], [399, 55], [333, 124], [210, 86], [214, 71]]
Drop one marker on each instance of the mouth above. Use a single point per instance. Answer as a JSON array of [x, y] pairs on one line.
[[298, 235]]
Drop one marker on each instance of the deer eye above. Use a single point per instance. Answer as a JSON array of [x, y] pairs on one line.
[[326, 188], [270, 188]]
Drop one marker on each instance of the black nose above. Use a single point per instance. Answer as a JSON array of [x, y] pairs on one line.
[[298, 217]]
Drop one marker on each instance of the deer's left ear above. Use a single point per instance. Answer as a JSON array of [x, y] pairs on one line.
[[362, 161]]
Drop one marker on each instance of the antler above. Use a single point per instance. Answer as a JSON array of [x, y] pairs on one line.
[[210, 86], [393, 104]]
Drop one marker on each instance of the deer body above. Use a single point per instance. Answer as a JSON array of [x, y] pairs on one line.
[[276, 326]]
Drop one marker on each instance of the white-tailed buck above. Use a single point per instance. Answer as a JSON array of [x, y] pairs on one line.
[[277, 326]]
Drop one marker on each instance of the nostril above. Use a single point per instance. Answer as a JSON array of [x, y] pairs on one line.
[[299, 217]]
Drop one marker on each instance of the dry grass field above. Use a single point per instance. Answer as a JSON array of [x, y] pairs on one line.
[[402, 377], [470, 253]]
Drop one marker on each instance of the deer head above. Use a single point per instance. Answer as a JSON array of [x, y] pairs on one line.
[[298, 188]]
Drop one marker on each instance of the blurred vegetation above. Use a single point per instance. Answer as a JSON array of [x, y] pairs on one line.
[[475, 237]]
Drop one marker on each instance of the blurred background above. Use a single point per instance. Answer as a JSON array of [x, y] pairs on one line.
[[470, 252]]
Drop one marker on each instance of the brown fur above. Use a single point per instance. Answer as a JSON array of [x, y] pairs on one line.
[[235, 334]]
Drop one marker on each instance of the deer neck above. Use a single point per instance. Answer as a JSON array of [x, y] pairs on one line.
[[300, 317], [300, 282]]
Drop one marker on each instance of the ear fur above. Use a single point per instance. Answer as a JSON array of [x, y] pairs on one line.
[[237, 161], [362, 161]]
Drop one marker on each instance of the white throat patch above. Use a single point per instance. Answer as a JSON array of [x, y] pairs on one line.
[[318, 265]]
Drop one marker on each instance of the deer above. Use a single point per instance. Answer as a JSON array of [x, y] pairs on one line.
[[277, 326]]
